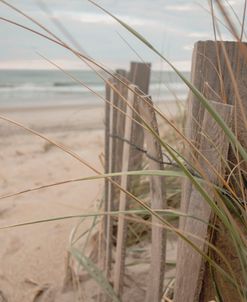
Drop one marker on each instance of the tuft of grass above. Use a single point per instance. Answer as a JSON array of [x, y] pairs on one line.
[[230, 209]]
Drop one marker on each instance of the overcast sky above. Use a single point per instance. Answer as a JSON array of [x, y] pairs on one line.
[[170, 25]]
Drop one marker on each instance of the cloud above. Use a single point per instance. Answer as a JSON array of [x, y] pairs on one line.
[[180, 65], [41, 64], [165, 25], [181, 7], [188, 47], [200, 35], [84, 17], [102, 19]]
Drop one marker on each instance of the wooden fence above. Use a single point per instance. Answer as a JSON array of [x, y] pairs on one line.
[[219, 71], [213, 65], [125, 136]]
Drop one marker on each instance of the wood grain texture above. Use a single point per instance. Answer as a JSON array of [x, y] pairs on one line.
[[139, 75], [115, 148], [234, 92], [122, 226], [158, 201], [110, 190], [214, 146], [114, 126], [105, 238], [213, 63], [118, 130], [106, 146], [195, 113]]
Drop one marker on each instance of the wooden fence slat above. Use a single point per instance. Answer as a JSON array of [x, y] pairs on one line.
[[118, 132], [140, 75], [114, 124], [214, 63], [107, 141], [105, 243], [195, 109], [109, 201], [157, 190], [218, 76], [121, 232], [196, 112], [114, 148], [214, 146]]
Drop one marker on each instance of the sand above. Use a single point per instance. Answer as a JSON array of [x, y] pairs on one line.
[[33, 258]]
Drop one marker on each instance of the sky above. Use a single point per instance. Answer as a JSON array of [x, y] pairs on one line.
[[172, 26]]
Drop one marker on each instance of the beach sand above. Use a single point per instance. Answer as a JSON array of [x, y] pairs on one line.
[[33, 258]]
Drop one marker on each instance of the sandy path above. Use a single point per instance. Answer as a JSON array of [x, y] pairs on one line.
[[32, 256]]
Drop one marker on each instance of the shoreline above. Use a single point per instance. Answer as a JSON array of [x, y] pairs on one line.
[[54, 119], [46, 107], [86, 105], [66, 118]]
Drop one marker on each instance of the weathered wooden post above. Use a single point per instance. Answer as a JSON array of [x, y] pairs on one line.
[[110, 117], [115, 150], [139, 75], [214, 146], [219, 71], [158, 201], [123, 199], [114, 128]]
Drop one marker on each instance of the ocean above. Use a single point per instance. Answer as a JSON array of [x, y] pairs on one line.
[[25, 88]]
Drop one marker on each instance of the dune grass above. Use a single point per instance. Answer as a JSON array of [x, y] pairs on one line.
[[230, 208]]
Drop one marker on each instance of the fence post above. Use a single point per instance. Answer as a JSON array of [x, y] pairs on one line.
[[219, 71], [214, 147], [158, 201], [105, 254], [122, 226], [118, 129], [114, 148], [114, 124], [139, 75]]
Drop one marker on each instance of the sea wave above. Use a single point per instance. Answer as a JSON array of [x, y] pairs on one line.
[[55, 88], [6, 86], [76, 87], [46, 87]]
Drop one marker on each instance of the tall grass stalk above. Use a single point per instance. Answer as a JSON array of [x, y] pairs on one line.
[[226, 204]]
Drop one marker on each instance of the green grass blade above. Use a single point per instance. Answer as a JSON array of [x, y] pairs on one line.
[[163, 213], [95, 273]]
